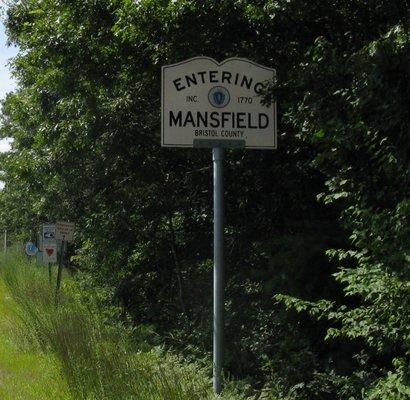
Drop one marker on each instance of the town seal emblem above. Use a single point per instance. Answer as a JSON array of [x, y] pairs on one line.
[[219, 97]]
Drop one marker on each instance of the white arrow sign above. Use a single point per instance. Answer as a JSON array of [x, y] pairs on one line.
[[49, 233]]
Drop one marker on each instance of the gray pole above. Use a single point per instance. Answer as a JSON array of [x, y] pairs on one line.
[[5, 240], [49, 272], [218, 156], [60, 269]]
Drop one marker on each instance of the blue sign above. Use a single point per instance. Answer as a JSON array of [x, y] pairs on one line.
[[31, 249]]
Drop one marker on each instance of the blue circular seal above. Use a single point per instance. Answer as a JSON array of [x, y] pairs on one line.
[[219, 96], [31, 249]]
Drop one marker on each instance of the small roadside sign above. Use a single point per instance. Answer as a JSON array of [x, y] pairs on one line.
[[50, 253], [64, 231], [31, 249], [49, 234]]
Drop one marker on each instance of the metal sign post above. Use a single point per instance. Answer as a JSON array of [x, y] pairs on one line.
[[60, 269], [218, 105], [5, 240], [219, 264]]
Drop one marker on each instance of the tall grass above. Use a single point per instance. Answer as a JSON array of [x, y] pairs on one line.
[[99, 361]]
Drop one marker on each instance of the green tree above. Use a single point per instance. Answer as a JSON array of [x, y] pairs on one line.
[[360, 119], [86, 127]]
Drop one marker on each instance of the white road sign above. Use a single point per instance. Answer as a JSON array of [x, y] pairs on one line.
[[65, 231], [211, 104], [49, 253], [48, 234]]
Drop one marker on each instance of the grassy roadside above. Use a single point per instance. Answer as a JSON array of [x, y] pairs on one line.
[[67, 351], [25, 374]]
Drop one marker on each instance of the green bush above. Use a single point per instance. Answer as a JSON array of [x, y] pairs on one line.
[[99, 361]]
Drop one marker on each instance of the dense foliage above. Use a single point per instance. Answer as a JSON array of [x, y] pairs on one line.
[[90, 358], [317, 227]]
